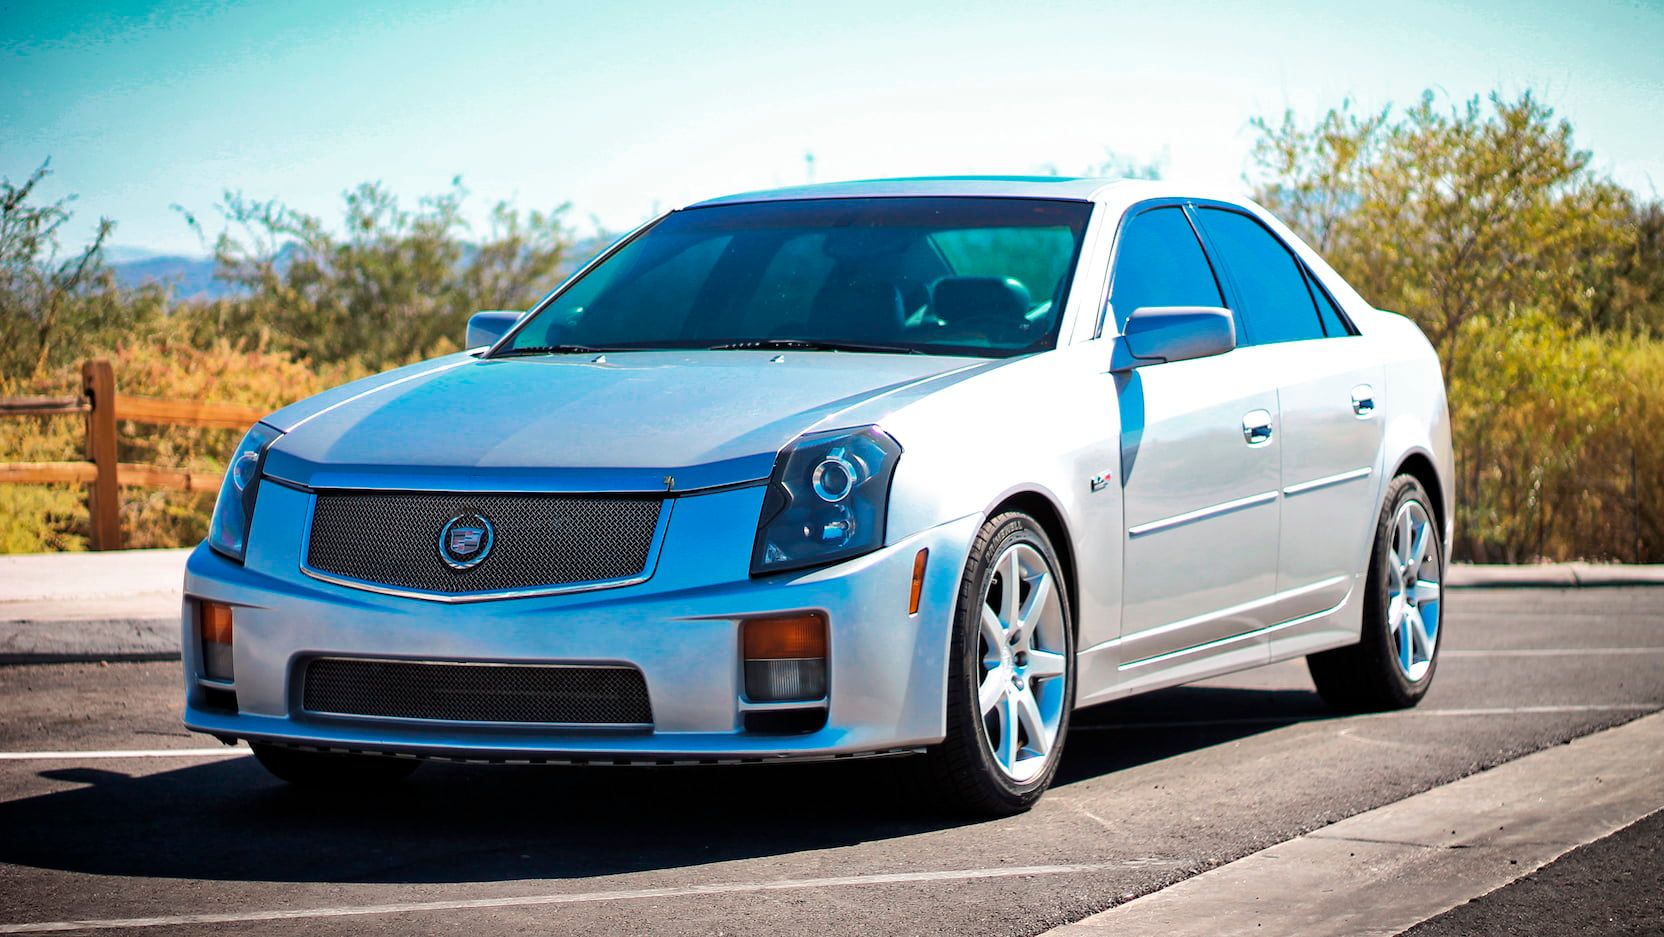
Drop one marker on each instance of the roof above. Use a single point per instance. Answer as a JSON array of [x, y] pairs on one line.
[[1055, 187]]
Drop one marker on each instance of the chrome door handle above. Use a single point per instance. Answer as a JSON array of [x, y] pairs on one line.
[[1256, 427], [1363, 401]]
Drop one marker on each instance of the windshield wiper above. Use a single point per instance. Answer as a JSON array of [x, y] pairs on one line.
[[804, 344], [552, 350]]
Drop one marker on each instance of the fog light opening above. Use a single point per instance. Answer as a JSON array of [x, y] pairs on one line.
[[800, 721], [214, 624], [919, 561], [785, 658]]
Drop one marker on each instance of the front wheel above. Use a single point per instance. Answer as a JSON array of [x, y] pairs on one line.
[[1392, 664], [1011, 673]]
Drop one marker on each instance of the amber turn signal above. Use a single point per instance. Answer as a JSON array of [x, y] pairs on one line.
[[785, 638], [919, 561], [214, 622]]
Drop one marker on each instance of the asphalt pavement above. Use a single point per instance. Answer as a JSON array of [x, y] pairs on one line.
[[1152, 791], [1624, 872]]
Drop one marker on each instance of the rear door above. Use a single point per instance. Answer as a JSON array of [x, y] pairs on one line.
[[1200, 464], [1327, 385]]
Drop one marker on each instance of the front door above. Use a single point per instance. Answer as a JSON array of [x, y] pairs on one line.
[[1200, 466], [1200, 478]]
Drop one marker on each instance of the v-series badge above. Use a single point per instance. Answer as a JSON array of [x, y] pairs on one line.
[[1100, 481]]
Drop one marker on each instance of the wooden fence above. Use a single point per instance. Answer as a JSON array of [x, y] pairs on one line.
[[100, 472]]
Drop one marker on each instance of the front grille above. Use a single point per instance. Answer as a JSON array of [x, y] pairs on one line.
[[392, 538], [524, 693]]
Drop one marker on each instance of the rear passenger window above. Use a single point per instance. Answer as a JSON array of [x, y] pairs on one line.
[[1333, 324], [1160, 263], [1270, 286]]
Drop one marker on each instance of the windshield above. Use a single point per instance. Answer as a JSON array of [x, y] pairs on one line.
[[956, 276]]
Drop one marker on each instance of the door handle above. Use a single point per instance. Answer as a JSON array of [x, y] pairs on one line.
[[1363, 401], [1256, 427]]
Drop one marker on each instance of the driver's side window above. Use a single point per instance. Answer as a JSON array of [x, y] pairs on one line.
[[1159, 262]]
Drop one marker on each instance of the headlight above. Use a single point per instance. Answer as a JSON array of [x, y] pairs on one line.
[[228, 531], [826, 501]]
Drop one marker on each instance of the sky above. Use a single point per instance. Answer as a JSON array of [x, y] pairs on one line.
[[625, 109]]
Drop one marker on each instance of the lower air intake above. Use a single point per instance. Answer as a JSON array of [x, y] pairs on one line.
[[533, 694]]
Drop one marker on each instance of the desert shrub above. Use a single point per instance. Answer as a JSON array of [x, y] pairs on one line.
[[53, 517], [311, 308], [395, 285], [1544, 426]]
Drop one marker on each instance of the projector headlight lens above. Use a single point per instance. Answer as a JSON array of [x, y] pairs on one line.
[[827, 500]]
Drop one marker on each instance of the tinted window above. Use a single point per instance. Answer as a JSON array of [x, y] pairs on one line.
[[973, 276], [1333, 324], [1159, 263], [1019, 253], [1270, 286]]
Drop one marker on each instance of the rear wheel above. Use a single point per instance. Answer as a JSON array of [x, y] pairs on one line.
[[1010, 673], [330, 770], [1393, 663]]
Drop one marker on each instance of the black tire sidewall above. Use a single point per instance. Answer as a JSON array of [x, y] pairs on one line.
[[966, 669], [1377, 624]]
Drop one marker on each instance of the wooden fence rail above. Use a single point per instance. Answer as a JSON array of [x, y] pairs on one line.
[[100, 472]]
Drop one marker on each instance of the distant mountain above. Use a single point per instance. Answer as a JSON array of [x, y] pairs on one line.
[[193, 277], [187, 277]]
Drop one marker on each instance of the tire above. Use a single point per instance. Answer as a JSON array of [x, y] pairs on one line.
[[1380, 672], [963, 772], [331, 771]]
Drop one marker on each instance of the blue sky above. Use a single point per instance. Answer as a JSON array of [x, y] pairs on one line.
[[622, 108]]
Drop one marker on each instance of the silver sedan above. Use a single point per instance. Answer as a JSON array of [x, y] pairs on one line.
[[908, 467]]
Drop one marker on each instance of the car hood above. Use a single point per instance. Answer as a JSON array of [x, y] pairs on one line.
[[636, 421]]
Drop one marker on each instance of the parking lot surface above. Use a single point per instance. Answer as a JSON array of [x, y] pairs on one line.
[[1152, 790]]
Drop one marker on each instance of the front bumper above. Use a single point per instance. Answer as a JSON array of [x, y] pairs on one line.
[[887, 669]]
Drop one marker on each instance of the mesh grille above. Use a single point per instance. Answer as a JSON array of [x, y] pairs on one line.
[[392, 538], [476, 693]]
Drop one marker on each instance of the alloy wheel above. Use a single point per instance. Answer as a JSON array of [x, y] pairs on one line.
[[1022, 642], [1413, 590]]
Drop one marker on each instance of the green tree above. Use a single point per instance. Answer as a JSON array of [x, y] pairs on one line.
[[52, 305], [1446, 214], [394, 285], [1630, 296]]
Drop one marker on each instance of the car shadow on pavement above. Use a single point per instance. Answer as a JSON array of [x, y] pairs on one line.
[[1106, 738], [227, 820]]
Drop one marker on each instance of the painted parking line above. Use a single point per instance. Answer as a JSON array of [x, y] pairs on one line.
[[218, 751], [1396, 714], [628, 894], [1553, 652], [1388, 869]]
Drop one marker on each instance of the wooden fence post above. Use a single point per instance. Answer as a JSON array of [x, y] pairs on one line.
[[98, 382]]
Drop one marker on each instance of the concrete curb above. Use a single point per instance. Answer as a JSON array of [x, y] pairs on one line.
[[75, 607], [82, 640], [1552, 575], [1386, 870]]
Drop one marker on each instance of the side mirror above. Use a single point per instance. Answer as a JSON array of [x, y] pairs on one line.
[[484, 328], [1158, 334]]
